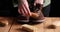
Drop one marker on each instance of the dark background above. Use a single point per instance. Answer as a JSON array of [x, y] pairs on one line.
[[55, 8], [7, 9]]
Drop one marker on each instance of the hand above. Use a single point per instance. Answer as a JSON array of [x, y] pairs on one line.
[[23, 8], [39, 1]]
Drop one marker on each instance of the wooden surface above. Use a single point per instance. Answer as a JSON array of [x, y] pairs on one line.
[[14, 27]]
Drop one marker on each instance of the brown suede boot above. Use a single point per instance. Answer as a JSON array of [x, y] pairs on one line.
[[37, 10]]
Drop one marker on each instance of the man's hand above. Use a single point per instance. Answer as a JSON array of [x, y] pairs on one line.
[[23, 8]]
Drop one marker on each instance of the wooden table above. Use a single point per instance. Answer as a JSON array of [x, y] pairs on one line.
[[14, 27]]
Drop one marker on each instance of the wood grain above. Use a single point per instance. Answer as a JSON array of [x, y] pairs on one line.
[[46, 26]]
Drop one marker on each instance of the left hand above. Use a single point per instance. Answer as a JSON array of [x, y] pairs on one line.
[[38, 1]]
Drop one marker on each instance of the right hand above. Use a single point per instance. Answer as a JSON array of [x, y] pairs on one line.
[[23, 8]]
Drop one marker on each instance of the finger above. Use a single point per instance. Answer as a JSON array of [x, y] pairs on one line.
[[26, 6], [25, 11], [19, 10]]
